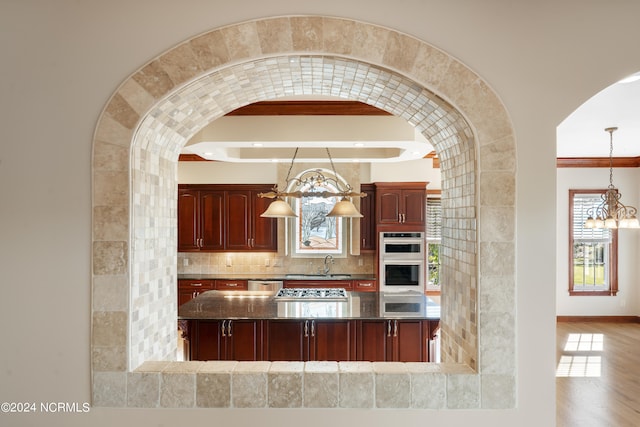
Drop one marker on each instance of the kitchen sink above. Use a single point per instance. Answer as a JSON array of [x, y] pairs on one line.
[[318, 276]]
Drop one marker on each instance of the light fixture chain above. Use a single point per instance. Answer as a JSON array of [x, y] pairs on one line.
[[611, 130], [295, 154]]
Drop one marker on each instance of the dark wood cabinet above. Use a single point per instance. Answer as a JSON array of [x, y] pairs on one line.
[[365, 285], [374, 340], [224, 218], [189, 289], [401, 206], [368, 239], [200, 220], [332, 340], [246, 229], [392, 340], [232, 285], [225, 339], [346, 284], [311, 339]]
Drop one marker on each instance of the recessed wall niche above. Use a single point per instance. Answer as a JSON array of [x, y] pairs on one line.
[[137, 143]]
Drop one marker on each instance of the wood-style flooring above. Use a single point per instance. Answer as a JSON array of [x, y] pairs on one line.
[[598, 374]]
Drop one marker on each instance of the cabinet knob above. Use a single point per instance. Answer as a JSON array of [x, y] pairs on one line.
[[313, 328], [229, 328], [388, 328], [306, 328], [395, 328], [222, 328]]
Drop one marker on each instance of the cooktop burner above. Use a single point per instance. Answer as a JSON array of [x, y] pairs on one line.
[[312, 294]]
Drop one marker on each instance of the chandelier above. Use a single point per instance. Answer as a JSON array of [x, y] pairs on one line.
[[315, 184], [610, 212]]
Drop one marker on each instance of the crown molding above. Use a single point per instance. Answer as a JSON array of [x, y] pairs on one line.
[[597, 162]]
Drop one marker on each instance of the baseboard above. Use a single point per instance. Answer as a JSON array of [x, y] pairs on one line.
[[610, 319]]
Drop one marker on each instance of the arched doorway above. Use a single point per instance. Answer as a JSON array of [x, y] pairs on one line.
[[156, 110]]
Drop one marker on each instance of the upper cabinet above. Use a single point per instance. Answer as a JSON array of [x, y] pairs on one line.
[[401, 205], [224, 218], [200, 219], [368, 238]]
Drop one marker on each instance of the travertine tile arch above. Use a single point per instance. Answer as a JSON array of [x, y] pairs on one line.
[[154, 112]]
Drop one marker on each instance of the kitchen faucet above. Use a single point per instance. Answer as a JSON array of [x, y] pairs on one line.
[[328, 260]]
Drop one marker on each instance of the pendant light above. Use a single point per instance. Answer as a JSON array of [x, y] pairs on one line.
[[314, 181], [611, 213]]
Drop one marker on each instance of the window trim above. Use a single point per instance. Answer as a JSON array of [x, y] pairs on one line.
[[613, 254]]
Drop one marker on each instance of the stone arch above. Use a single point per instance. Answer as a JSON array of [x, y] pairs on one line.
[[154, 112]]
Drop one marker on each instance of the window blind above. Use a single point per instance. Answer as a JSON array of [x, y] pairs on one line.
[[581, 204], [434, 218]]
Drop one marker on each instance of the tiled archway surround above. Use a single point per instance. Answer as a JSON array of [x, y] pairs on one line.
[[136, 146]]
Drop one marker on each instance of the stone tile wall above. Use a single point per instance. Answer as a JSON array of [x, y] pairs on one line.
[[152, 114]]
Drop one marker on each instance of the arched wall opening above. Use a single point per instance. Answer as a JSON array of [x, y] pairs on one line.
[[153, 114]]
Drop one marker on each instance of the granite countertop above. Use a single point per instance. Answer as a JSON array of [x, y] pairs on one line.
[[262, 276], [218, 305]]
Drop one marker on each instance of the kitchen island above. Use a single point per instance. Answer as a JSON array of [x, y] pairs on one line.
[[361, 326]]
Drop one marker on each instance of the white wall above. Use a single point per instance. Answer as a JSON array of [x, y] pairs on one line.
[[62, 61], [627, 180]]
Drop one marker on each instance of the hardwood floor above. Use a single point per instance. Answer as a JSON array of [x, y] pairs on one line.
[[598, 374]]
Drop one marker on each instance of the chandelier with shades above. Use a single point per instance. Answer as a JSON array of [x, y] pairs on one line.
[[610, 212], [315, 184]]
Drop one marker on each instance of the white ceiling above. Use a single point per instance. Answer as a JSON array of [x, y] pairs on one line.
[[246, 139], [582, 134]]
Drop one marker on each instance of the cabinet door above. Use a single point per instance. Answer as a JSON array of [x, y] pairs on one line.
[[372, 340], [368, 239], [331, 340], [205, 338], [243, 340], [286, 340], [409, 341], [238, 214], [212, 220], [264, 230], [388, 206], [414, 206], [188, 221]]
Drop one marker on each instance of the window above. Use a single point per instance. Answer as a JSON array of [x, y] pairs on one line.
[[593, 253], [434, 237]]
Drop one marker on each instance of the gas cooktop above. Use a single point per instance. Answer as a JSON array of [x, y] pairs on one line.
[[306, 294]]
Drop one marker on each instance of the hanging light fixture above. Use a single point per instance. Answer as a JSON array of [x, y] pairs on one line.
[[315, 184], [611, 213]]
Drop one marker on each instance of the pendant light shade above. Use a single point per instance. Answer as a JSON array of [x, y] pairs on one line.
[[279, 209], [345, 208]]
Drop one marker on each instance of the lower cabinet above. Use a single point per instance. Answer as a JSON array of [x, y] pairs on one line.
[[225, 340], [304, 340], [392, 340]]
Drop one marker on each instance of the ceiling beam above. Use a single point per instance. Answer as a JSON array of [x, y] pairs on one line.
[[308, 108]]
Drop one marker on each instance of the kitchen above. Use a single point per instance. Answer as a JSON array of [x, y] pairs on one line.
[[148, 270], [357, 262]]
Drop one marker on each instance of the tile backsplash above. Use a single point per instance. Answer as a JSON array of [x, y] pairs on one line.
[[268, 263]]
